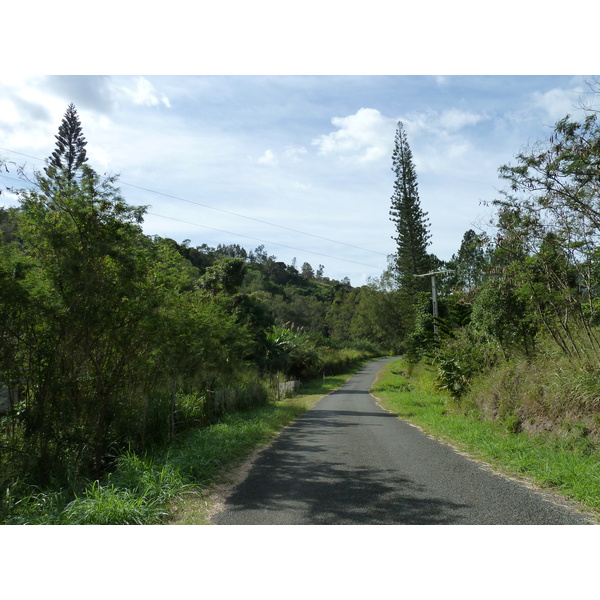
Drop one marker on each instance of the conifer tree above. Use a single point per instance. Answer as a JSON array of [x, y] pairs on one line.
[[412, 234], [69, 154]]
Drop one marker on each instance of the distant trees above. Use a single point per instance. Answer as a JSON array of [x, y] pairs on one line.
[[307, 271]]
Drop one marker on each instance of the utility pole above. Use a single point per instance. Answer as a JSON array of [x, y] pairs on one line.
[[434, 294]]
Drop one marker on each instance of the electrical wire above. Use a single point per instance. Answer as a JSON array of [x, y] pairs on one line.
[[242, 235], [259, 240], [251, 218], [234, 214]]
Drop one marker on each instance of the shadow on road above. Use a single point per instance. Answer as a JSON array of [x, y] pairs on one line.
[[328, 493]]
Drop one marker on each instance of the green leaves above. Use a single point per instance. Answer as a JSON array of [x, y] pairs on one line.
[[412, 228], [549, 226], [225, 276], [69, 154]]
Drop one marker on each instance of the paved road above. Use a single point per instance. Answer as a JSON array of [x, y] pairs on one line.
[[347, 461]]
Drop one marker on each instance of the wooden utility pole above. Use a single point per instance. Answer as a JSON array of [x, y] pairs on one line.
[[434, 294]]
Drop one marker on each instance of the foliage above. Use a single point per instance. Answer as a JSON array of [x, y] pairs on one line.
[[69, 155], [303, 356], [548, 222], [101, 324], [545, 393], [523, 358], [566, 461], [501, 312], [421, 340], [224, 277], [529, 288], [412, 235], [460, 358], [469, 265]]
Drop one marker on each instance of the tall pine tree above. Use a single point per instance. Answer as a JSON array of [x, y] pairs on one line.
[[412, 232], [69, 154], [412, 224]]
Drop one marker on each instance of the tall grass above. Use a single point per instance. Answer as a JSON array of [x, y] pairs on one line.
[[143, 488], [549, 392], [135, 493]]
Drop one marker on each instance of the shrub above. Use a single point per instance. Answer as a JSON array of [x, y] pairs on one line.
[[461, 358]]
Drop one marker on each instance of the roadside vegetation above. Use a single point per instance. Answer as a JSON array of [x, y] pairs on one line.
[[564, 459], [134, 370], [170, 483], [122, 354]]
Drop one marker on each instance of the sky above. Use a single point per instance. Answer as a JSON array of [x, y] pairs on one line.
[[300, 164]]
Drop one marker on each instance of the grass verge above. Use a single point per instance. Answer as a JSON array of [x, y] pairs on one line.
[[172, 485], [566, 462], [210, 456]]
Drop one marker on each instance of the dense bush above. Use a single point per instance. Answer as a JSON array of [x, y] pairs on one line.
[[461, 358], [117, 341], [549, 392]]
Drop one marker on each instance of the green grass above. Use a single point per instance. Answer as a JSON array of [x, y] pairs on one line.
[[170, 485], [135, 493], [568, 462], [206, 455]]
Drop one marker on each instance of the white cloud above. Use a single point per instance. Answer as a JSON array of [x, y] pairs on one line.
[[99, 157], [454, 119], [557, 103], [290, 154], [8, 111], [444, 142], [447, 122], [268, 158], [144, 94], [24, 124], [293, 153], [366, 136]]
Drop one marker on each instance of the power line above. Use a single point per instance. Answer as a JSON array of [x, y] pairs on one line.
[[259, 240], [242, 235], [237, 215], [11, 178], [228, 212], [21, 154], [252, 218]]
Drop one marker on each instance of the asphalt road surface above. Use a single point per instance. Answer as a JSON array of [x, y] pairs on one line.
[[347, 461]]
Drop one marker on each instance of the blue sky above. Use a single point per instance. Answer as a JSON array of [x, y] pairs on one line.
[[299, 164]]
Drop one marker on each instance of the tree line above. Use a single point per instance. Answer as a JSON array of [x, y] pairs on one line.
[[112, 339], [116, 340], [517, 336]]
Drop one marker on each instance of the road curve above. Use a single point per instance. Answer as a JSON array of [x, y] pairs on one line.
[[348, 461]]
